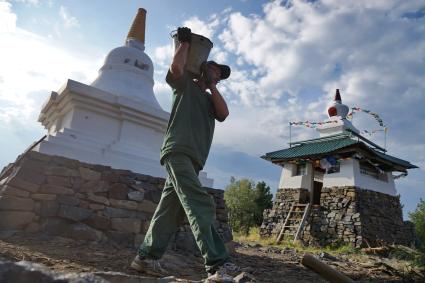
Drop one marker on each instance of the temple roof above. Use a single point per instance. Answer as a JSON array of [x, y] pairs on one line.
[[341, 144]]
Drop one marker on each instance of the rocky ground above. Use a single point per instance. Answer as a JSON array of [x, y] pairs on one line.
[[266, 264]]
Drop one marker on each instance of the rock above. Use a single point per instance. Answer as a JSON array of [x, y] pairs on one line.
[[30, 171], [53, 189], [95, 187], [15, 219], [147, 206], [124, 213], [121, 238], [126, 204], [15, 203], [138, 240], [61, 171], [218, 278], [43, 196], [49, 208], [23, 271], [33, 227], [118, 277], [22, 184], [98, 199], [129, 225], [98, 222], [81, 231], [136, 195], [244, 278], [89, 174], [118, 191], [74, 213], [62, 181], [12, 191], [153, 195], [55, 226], [68, 200], [327, 256], [95, 206]]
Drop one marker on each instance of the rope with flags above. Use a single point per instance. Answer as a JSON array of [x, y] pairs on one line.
[[310, 124], [374, 115]]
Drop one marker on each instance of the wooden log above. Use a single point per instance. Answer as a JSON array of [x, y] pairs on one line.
[[324, 270]]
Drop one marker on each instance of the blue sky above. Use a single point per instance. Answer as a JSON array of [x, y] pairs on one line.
[[287, 58]]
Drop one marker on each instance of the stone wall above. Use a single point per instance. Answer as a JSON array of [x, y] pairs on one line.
[[61, 196], [275, 217], [336, 220], [382, 219], [346, 215]]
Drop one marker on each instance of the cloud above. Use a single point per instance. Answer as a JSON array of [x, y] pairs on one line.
[[29, 2], [32, 66], [7, 18], [68, 20], [288, 60]]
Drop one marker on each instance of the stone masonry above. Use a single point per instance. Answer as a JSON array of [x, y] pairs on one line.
[[346, 215], [61, 196]]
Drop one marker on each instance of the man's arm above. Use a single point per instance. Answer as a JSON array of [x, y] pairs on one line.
[[220, 105], [180, 57], [179, 61]]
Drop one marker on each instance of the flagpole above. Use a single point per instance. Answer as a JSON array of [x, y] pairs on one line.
[[290, 134]]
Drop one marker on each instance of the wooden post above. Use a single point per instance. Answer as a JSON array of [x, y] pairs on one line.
[[324, 270]]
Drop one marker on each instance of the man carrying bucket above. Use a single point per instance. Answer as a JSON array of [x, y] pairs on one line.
[[184, 152]]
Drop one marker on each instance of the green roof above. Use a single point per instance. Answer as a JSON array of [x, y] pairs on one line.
[[330, 145], [310, 148]]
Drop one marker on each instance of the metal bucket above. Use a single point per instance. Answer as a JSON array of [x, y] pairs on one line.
[[199, 50]]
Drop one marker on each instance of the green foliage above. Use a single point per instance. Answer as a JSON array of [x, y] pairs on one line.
[[263, 200], [245, 202], [418, 218], [254, 237], [405, 253]]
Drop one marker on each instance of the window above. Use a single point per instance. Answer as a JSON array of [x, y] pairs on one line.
[[333, 169], [301, 170], [371, 171]]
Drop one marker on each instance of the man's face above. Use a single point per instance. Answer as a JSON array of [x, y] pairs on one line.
[[215, 73]]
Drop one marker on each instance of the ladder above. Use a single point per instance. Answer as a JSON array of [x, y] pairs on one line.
[[294, 221]]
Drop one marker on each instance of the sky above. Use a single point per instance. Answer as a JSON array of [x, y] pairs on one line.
[[287, 59]]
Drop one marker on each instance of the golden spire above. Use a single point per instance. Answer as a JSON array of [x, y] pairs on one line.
[[137, 30]]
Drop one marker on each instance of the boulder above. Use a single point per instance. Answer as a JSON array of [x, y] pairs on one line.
[[15, 203], [10, 220]]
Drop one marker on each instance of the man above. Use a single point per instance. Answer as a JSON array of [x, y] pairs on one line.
[[184, 152]]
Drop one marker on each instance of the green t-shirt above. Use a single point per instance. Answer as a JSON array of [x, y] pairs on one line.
[[190, 129]]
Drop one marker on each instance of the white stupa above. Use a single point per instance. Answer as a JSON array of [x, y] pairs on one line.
[[115, 121]]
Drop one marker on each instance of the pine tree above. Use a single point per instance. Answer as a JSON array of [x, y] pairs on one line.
[[263, 199]]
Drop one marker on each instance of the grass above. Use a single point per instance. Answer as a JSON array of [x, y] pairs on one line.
[[254, 237]]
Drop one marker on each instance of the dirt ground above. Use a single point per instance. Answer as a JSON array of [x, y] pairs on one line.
[[267, 264]]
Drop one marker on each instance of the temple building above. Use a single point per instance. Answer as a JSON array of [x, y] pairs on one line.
[[338, 188]]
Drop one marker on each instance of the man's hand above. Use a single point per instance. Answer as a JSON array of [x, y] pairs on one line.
[[184, 34], [220, 106]]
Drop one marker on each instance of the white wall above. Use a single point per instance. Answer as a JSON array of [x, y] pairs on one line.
[[370, 183], [345, 176], [288, 181]]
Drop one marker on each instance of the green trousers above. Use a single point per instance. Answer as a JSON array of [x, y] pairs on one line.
[[183, 194]]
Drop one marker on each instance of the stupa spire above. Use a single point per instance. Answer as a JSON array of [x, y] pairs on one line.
[[137, 29]]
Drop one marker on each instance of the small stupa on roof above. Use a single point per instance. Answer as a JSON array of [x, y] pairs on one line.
[[338, 188]]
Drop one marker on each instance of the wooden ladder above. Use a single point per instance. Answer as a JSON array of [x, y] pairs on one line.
[[294, 221]]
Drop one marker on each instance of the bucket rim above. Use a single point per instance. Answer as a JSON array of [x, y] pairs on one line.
[[173, 34]]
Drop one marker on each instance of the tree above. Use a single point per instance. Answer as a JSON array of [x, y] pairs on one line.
[[240, 202], [418, 218], [245, 202], [263, 199]]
